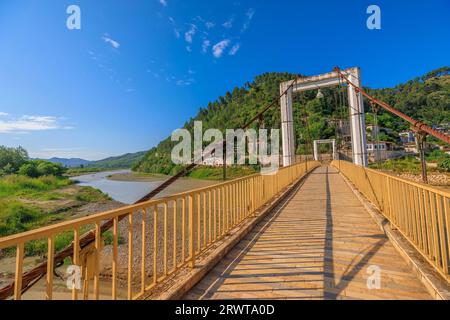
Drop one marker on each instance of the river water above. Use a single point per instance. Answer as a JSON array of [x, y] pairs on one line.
[[126, 192], [129, 192]]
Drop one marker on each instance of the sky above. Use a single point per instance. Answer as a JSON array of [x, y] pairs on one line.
[[137, 70]]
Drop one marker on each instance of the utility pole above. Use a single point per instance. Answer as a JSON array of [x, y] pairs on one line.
[[224, 164], [421, 138]]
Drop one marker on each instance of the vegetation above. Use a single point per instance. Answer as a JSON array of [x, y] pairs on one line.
[[412, 164], [121, 162], [425, 98], [72, 172], [216, 173], [34, 193]]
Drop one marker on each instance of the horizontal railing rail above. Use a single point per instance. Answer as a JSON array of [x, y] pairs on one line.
[[419, 212], [162, 236]]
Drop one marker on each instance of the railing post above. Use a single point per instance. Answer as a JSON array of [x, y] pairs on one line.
[[191, 231]]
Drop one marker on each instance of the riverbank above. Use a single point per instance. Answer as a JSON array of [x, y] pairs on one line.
[[181, 185], [207, 173]]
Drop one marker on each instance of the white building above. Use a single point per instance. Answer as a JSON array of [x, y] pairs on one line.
[[212, 161], [381, 145], [407, 137]]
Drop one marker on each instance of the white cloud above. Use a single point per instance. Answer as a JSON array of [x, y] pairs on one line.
[[177, 33], [111, 41], [218, 48], [209, 24], [228, 24], [234, 49], [205, 46], [27, 124], [189, 35], [250, 14], [3, 114], [184, 83], [163, 3]]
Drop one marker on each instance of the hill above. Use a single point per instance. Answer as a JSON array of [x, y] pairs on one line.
[[123, 161], [425, 98], [118, 162]]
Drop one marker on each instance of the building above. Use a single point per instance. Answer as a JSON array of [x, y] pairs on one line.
[[212, 161], [381, 151], [381, 145], [407, 137]]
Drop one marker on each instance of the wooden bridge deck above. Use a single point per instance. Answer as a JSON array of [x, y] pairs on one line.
[[319, 244]]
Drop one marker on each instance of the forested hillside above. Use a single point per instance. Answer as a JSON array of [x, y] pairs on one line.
[[123, 161], [426, 98]]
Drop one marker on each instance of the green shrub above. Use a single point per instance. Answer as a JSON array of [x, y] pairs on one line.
[[444, 165], [17, 217], [39, 168], [89, 194], [29, 170]]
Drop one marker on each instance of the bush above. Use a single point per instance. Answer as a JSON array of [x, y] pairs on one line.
[[444, 165], [11, 159], [437, 155], [17, 217], [39, 168], [29, 170]]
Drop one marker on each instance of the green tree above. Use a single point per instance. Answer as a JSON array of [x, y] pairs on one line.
[[11, 159]]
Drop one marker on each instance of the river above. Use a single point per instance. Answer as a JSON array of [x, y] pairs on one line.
[[126, 192], [129, 192]]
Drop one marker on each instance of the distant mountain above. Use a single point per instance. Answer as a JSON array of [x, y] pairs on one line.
[[119, 162], [70, 163]]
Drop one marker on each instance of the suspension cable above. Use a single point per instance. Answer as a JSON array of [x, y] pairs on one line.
[[417, 125]]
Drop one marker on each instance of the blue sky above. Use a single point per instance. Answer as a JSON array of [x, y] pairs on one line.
[[137, 70]]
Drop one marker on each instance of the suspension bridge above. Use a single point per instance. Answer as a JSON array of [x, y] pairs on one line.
[[310, 230]]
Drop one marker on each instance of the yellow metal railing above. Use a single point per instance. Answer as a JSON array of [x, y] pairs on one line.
[[421, 213], [163, 235]]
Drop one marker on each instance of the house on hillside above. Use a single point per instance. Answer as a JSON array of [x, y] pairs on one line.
[[407, 137], [383, 150], [212, 161]]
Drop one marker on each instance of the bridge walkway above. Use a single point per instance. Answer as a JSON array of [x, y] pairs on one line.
[[319, 244]]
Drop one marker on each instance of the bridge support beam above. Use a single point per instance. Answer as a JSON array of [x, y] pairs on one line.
[[287, 125], [357, 120], [316, 148], [356, 106]]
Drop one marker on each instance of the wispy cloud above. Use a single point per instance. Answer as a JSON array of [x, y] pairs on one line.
[[189, 35], [177, 33], [209, 24], [3, 114], [228, 24], [249, 17], [163, 3], [27, 123], [111, 41], [205, 45], [234, 49], [184, 83], [219, 48]]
